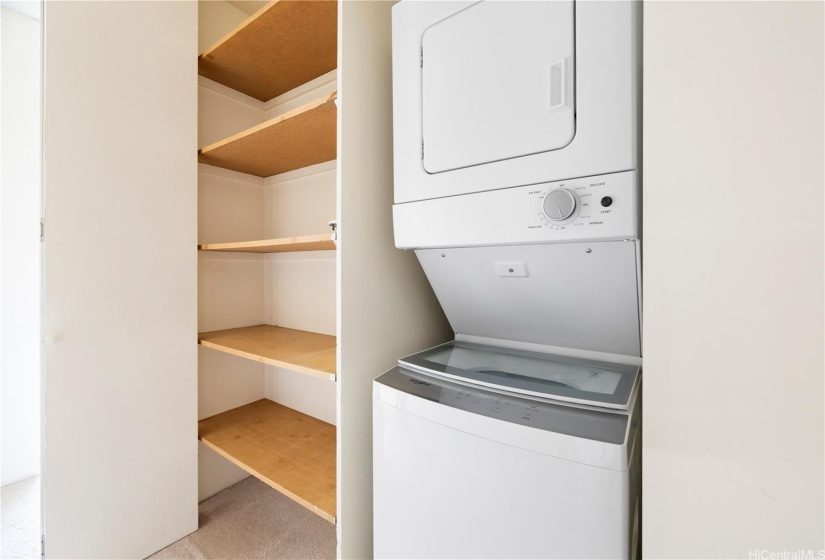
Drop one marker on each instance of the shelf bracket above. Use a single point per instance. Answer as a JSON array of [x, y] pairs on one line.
[[334, 225]]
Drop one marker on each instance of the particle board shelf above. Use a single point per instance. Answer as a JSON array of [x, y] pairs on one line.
[[299, 138], [301, 351], [292, 452], [283, 45], [322, 242]]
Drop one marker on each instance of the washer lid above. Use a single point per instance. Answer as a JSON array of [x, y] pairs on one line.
[[582, 296], [561, 378], [580, 422], [498, 83]]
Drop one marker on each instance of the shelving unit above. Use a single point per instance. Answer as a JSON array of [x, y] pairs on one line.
[[292, 452], [324, 242], [299, 138], [282, 46], [301, 351]]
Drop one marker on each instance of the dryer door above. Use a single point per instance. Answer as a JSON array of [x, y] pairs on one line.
[[498, 83]]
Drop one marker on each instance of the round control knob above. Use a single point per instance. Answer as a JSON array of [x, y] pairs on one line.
[[559, 204]]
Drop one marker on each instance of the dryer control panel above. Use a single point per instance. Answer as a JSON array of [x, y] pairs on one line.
[[590, 209], [584, 204]]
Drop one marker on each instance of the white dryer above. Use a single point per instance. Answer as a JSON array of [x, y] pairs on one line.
[[516, 142], [505, 93]]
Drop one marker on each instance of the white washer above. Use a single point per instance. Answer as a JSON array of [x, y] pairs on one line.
[[463, 471]]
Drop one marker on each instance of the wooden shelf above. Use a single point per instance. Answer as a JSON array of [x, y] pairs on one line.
[[322, 242], [301, 351], [285, 44], [292, 452], [299, 138]]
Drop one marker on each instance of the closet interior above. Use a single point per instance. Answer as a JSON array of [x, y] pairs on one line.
[[267, 207]]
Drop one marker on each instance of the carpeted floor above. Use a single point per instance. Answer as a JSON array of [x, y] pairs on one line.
[[20, 514], [245, 521], [251, 520]]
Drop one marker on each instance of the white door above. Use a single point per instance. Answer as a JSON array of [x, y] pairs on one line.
[[120, 289], [498, 83]]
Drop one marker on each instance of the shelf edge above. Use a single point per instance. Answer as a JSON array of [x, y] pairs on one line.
[[291, 495], [271, 122], [249, 246], [269, 361]]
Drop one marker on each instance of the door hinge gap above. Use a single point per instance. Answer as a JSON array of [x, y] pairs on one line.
[[42, 229]]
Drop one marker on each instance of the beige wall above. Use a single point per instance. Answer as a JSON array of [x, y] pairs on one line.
[[387, 308], [215, 20], [733, 278]]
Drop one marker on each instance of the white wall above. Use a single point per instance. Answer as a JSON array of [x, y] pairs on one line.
[[386, 306], [20, 247], [120, 286], [733, 279], [300, 288]]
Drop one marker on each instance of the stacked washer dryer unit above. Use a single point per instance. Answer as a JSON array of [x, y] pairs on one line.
[[517, 144]]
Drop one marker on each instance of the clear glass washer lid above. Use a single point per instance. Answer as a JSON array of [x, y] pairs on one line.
[[532, 373]]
